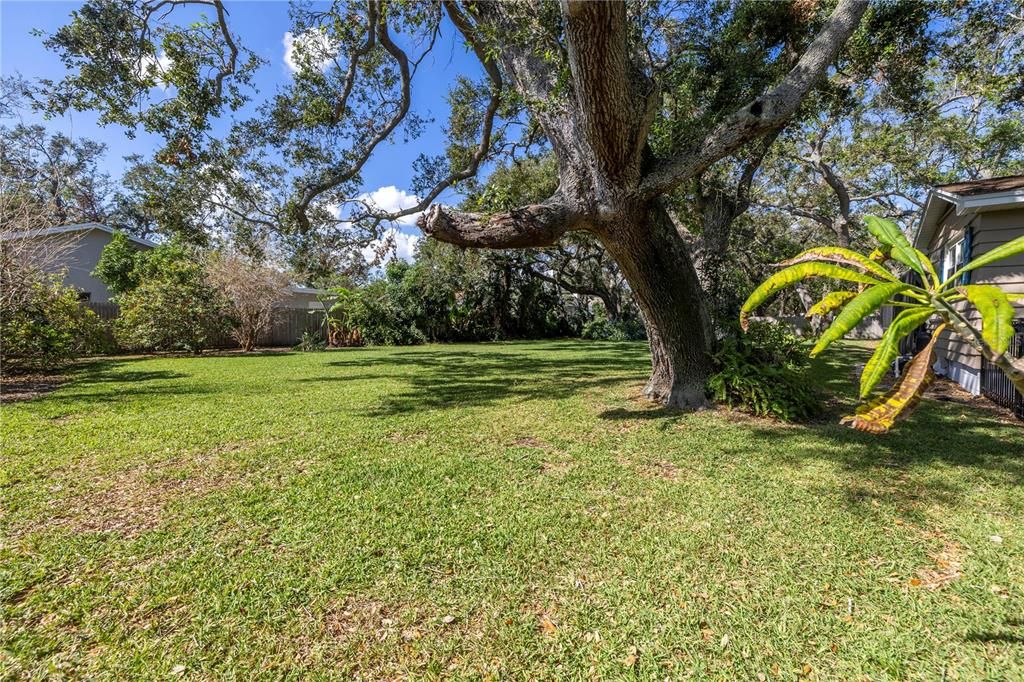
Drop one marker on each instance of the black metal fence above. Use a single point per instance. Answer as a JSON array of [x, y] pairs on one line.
[[286, 329], [996, 386]]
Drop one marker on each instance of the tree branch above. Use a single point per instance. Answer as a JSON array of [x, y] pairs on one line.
[[527, 226], [765, 112]]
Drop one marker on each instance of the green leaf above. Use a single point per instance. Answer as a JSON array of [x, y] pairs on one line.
[[889, 347], [1010, 248], [837, 254], [794, 274], [830, 302], [891, 236], [923, 257], [996, 314], [856, 310]]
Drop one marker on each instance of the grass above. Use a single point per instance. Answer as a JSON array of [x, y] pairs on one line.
[[506, 511]]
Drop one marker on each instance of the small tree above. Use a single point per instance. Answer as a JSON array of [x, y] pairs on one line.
[[119, 266], [173, 307], [933, 298], [253, 293]]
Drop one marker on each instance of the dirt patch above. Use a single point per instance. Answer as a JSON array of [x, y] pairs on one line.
[[948, 391], [133, 501], [663, 469], [402, 437], [945, 569], [556, 468], [21, 387], [361, 618], [531, 442]]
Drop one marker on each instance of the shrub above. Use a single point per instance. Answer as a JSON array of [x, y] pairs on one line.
[[384, 315], [252, 292], [173, 308], [764, 372], [48, 328], [600, 329], [310, 342]]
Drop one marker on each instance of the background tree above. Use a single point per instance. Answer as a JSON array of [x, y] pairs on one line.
[[881, 147]]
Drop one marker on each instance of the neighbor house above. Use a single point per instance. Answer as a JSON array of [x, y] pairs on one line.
[[79, 248], [960, 222]]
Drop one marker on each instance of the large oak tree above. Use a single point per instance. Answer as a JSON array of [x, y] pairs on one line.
[[634, 100]]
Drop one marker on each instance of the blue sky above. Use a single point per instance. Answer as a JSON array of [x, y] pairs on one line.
[[261, 27]]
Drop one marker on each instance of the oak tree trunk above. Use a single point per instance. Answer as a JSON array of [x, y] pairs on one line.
[[660, 272]]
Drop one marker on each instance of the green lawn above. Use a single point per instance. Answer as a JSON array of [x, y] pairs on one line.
[[506, 511]]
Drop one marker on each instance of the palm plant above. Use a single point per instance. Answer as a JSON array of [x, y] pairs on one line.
[[918, 303]]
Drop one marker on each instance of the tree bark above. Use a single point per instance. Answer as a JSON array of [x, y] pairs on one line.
[[660, 272]]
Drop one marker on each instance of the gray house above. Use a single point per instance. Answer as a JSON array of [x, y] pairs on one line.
[[80, 248], [960, 222]]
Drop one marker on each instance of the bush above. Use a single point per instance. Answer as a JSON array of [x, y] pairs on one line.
[[48, 328], [764, 372], [601, 329], [173, 308], [310, 342], [385, 313], [253, 293], [164, 315]]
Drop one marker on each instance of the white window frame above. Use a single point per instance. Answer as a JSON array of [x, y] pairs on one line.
[[952, 257]]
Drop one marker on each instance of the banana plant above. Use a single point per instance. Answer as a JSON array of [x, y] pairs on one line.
[[877, 285]]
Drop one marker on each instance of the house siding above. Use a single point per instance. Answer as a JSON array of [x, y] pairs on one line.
[[955, 357], [81, 259]]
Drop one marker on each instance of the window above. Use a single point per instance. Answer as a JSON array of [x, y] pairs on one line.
[[953, 258], [85, 296]]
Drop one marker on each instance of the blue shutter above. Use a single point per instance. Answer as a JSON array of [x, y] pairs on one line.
[[966, 258]]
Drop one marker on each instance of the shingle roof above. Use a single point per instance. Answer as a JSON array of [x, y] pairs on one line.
[[990, 185]]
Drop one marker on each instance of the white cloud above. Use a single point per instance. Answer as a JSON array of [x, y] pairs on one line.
[[310, 49], [404, 246], [156, 67], [390, 199]]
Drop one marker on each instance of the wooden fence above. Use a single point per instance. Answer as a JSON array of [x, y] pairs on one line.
[[285, 330]]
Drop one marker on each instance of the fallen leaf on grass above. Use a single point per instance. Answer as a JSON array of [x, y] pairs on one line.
[[547, 626]]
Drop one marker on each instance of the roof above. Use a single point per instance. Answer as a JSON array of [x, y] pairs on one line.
[[77, 227], [967, 197], [974, 187], [299, 289]]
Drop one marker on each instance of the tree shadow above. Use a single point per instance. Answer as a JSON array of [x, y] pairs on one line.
[[92, 379], [896, 467], [449, 379], [991, 636]]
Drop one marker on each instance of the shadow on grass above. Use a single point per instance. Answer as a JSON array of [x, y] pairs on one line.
[[93, 381], [894, 467], [451, 378]]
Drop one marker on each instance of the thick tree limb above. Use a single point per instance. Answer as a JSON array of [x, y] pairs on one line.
[[615, 101], [765, 112], [528, 226]]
